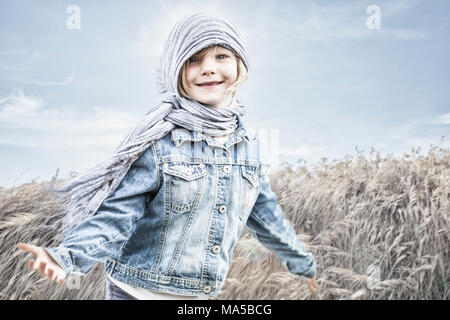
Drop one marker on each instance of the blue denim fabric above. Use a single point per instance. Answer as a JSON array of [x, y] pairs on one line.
[[173, 222]]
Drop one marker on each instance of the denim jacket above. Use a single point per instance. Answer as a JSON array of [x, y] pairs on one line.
[[173, 222]]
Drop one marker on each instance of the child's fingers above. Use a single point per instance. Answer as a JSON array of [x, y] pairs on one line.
[[59, 277], [30, 264], [28, 247], [42, 266], [312, 285], [49, 278], [50, 273], [53, 274], [34, 265]]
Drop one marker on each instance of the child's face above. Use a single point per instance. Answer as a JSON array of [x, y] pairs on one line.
[[217, 65]]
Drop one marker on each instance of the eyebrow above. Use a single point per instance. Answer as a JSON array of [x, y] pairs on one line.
[[218, 51]]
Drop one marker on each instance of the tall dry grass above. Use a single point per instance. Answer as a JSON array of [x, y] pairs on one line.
[[356, 215], [28, 214]]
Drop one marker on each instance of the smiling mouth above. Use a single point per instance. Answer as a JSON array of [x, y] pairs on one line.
[[210, 84]]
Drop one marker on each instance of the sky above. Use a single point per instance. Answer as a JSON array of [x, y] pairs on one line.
[[327, 79]]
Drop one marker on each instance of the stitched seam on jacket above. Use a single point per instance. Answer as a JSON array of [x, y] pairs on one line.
[[156, 156], [114, 239]]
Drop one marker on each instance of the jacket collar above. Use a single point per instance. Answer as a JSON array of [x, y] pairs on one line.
[[179, 135]]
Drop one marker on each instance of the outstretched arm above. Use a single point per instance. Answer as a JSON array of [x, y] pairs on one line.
[[98, 237], [268, 224]]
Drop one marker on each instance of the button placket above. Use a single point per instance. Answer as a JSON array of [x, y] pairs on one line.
[[220, 209]]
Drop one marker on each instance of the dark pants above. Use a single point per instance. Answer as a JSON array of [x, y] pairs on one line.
[[113, 292]]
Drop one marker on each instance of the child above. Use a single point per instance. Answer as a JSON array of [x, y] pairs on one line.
[[165, 212]]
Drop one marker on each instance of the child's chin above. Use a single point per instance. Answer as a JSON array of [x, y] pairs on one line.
[[211, 102]]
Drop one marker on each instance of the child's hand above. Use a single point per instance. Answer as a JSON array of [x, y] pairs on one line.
[[44, 263], [312, 285]]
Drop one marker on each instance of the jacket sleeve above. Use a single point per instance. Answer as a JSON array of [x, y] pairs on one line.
[[98, 237], [267, 224]]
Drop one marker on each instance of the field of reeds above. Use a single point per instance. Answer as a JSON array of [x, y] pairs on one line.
[[378, 227]]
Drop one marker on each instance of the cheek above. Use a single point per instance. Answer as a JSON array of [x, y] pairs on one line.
[[232, 72], [190, 76]]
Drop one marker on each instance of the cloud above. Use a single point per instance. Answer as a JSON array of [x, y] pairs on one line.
[[16, 104], [148, 44], [13, 53], [396, 140], [4, 67], [443, 118], [418, 133], [307, 152], [31, 122], [67, 80], [297, 151], [151, 36], [318, 23]]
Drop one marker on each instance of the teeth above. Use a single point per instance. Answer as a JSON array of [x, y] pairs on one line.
[[210, 84]]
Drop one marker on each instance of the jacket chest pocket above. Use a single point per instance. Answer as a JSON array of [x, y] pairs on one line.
[[184, 185], [249, 189]]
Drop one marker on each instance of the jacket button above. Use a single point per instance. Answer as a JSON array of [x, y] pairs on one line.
[[223, 209], [227, 169], [216, 249], [207, 289]]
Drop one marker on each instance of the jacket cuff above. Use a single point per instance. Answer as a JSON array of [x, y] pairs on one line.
[[311, 273], [62, 257], [296, 267]]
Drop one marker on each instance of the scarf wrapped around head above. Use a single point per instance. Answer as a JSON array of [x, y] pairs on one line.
[[87, 191]]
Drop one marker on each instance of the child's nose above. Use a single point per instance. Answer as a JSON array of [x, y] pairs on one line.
[[208, 66]]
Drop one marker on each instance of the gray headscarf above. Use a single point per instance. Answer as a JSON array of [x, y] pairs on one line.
[[87, 191]]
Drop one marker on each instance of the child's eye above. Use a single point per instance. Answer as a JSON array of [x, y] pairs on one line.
[[219, 56]]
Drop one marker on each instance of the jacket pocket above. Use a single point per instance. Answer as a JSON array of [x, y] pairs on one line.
[[184, 185], [249, 189]]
